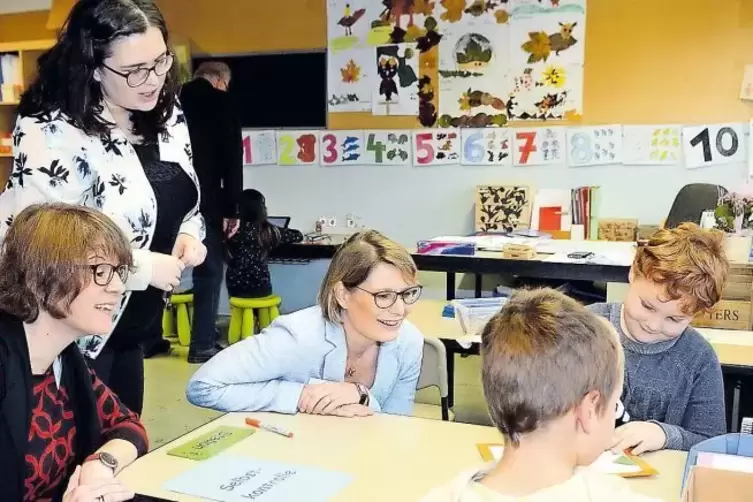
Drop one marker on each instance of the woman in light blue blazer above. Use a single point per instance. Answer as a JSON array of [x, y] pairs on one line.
[[353, 354]]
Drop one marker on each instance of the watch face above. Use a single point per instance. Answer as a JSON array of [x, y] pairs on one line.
[[108, 460]]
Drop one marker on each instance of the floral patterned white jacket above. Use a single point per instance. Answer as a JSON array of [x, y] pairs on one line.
[[54, 161]]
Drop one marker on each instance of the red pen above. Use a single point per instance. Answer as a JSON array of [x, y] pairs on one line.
[[268, 427]]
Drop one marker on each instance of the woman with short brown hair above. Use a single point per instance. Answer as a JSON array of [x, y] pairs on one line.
[[64, 269], [353, 354]]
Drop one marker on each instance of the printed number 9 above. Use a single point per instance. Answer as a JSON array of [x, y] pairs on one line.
[[581, 152], [473, 151]]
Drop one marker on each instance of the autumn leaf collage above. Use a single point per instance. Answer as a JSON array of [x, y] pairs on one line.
[[457, 63]]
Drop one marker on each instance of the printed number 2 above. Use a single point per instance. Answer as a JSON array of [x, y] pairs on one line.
[[528, 147], [705, 138], [286, 151], [247, 150], [582, 151], [423, 145], [330, 152]]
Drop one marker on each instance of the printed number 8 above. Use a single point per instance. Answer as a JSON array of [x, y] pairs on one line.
[[582, 151]]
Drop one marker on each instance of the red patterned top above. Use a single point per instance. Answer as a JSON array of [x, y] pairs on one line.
[[51, 453]]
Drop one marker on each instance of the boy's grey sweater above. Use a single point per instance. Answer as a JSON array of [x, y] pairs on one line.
[[676, 384]]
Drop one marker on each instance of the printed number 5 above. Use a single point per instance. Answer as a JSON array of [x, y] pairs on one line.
[[423, 145], [473, 151], [330, 152]]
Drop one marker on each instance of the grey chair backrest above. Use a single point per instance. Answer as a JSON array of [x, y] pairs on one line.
[[691, 201], [434, 367]]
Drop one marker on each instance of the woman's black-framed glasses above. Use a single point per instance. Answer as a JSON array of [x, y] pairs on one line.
[[138, 76], [104, 272], [386, 299]]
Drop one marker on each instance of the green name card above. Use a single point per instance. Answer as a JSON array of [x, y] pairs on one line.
[[211, 443]]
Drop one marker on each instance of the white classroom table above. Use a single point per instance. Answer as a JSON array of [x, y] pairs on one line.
[[390, 457]]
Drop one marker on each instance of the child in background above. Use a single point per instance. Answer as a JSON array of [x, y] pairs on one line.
[[248, 250], [552, 376], [674, 393]]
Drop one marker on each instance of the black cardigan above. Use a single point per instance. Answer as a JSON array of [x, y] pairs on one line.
[[15, 407]]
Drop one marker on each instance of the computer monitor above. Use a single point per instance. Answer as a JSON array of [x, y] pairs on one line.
[[279, 221]]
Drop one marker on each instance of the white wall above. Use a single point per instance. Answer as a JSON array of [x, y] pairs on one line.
[[409, 203], [9, 6]]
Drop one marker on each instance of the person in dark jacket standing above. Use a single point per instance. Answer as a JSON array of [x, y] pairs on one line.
[[215, 131]]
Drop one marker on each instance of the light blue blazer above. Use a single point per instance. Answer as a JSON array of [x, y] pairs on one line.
[[267, 372]]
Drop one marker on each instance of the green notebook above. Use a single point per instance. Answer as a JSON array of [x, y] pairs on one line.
[[211, 443]]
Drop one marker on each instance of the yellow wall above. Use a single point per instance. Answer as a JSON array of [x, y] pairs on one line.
[[646, 60], [25, 26]]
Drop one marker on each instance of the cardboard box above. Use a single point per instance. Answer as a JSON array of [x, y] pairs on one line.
[[716, 485]]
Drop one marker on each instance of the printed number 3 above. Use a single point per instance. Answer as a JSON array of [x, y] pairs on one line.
[[581, 152], [330, 152], [423, 145]]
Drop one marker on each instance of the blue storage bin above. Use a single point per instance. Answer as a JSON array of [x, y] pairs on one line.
[[729, 444]]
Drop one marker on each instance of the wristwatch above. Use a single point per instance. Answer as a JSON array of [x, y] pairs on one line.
[[363, 393], [105, 458]]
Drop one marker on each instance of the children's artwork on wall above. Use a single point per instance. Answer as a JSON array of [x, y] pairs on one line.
[[348, 80], [651, 145], [539, 146], [717, 144], [297, 148], [338, 148], [259, 148], [395, 80], [401, 21], [347, 24], [387, 148], [436, 147], [462, 12], [547, 40], [486, 147], [473, 64], [594, 145], [502, 208]]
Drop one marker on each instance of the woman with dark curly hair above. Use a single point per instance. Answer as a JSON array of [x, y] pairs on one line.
[[101, 127]]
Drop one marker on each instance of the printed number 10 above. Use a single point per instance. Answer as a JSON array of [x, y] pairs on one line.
[[705, 138]]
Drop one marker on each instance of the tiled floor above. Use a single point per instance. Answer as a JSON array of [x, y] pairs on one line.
[[167, 414]]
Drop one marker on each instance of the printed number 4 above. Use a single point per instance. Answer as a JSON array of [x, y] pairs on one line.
[[377, 147], [705, 138]]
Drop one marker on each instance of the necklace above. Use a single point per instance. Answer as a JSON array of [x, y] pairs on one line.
[[351, 369]]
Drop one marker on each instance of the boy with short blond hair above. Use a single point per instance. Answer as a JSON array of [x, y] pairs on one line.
[[552, 376], [674, 392]]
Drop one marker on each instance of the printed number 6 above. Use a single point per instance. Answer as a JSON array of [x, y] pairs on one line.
[[582, 151], [473, 151], [422, 144], [330, 152]]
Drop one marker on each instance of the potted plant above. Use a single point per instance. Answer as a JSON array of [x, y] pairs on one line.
[[733, 215]]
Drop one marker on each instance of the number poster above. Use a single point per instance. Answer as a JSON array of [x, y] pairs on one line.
[[436, 147], [594, 146], [539, 146], [708, 145], [486, 147], [259, 148], [339, 148], [387, 148], [651, 144], [296, 148]]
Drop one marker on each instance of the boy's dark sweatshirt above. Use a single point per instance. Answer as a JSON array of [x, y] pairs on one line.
[[676, 383]]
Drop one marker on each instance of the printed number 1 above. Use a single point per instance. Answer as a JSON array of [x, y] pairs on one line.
[[528, 147], [247, 150]]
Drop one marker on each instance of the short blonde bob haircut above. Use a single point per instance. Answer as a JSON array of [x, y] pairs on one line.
[[354, 261]]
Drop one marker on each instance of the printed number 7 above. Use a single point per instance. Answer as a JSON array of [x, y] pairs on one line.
[[423, 144], [528, 147]]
